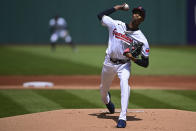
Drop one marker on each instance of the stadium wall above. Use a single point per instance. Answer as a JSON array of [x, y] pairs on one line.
[[26, 21]]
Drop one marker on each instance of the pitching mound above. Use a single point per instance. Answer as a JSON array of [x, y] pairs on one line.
[[100, 120]]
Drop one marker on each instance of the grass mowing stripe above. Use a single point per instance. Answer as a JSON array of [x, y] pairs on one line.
[[165, 99], [8, 107], [30, 101], [139, 100], [184, 99], [116, 98], [69, 100], [144, 100], [85, 54], [20, 59], [186, 93], [16, 102], [34, 64], [166, 61], [91, 96]]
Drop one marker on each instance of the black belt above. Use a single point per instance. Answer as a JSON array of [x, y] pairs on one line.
[[118, 61]]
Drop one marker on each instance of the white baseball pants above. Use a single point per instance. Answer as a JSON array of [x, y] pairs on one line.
[[109, 71], [60, 34]]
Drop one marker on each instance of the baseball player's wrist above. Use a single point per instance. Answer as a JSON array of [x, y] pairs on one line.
[[129, 55], [118, 7], [121, 7]]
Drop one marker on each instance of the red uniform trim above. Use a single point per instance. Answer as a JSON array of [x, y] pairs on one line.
[[122, 36]]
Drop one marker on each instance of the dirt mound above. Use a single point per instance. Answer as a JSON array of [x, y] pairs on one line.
[[99, 119]]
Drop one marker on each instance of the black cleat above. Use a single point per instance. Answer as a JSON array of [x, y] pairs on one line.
[[110, 105]]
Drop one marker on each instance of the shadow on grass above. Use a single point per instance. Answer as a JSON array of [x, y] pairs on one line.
[[24, 63]]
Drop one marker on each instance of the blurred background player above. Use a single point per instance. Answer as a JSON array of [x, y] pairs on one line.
[[58, 29]]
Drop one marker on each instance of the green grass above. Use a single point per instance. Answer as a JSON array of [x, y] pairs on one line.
[[40, 60], [18, 102]]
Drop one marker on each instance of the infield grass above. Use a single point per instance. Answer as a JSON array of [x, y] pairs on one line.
[[40, 60], [18, 102]]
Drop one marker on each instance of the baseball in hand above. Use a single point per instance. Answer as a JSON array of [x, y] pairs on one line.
[[126, 7]]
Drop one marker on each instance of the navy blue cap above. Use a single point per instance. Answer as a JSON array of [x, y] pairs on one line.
[[140, 10]]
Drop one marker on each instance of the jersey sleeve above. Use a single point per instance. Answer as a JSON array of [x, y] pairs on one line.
[[108, 21], [145, 50]]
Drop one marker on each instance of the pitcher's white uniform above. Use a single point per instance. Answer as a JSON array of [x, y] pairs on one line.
[[116, 46]]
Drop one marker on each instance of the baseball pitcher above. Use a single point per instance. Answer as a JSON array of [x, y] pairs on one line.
[[126, 44]]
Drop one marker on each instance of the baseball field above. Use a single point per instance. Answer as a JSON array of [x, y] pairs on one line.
[[163, 96]]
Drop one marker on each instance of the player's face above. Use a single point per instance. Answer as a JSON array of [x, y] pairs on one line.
[[137, 17]]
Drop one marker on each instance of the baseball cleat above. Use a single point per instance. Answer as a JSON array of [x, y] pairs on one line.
[[121, 124], [110, 105]]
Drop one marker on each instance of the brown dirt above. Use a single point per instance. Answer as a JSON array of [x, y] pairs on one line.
[[100, 120], [92, 82]]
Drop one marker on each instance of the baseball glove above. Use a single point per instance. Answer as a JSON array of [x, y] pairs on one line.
[[134, 48]]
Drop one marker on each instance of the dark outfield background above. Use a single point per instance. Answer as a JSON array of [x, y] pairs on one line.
[[26, 21]]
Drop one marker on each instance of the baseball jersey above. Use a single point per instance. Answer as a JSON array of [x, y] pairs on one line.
[[59, 24], [119, 37]]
